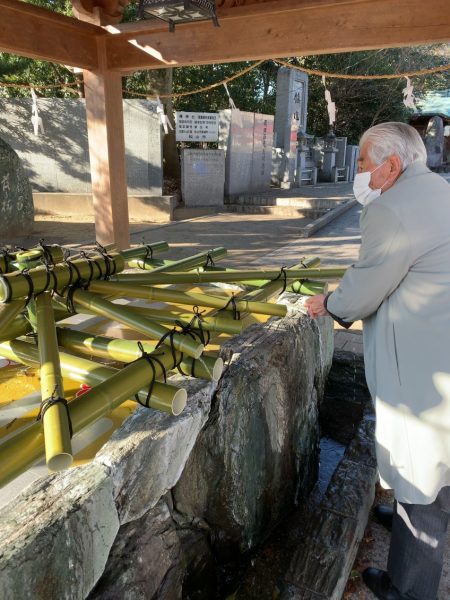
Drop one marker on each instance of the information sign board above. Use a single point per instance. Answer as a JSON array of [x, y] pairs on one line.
[[197, 127]]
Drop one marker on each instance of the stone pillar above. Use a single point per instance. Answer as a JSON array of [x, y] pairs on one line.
[[290, 116]]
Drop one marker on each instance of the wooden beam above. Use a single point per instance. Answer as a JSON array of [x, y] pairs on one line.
[[104, 116], [35, 32], [252, 33], [227, 9]]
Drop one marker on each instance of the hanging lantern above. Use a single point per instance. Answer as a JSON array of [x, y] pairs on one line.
[[179, 11]]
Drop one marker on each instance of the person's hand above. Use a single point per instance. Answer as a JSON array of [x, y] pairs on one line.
[[316, 306]]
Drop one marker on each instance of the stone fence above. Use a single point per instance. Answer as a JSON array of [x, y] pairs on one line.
[[168, 498]]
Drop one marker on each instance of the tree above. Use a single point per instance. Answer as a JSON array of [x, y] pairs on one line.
[[362, 103]]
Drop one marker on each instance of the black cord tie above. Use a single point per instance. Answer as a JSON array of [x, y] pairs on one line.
[[151, 359], [49, 402], [232, 302], [170, 334], [50, 273], [47, 257], [198, 319], [25, 273], [70, 304], [7, 256], [108, 260], [282, 274], [209, 260], [91, 269], [149, 252]]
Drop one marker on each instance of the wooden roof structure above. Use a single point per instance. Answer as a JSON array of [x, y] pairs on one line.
[[249, 30]]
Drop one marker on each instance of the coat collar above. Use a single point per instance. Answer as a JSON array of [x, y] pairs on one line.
[[416, 168]]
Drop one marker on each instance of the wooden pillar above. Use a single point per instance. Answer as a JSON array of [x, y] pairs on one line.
[[104, 114]]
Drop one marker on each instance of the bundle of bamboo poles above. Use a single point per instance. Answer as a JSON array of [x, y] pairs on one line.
[[41, 287]]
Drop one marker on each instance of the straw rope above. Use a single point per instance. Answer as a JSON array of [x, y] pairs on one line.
[[243, 72], [347, 76]]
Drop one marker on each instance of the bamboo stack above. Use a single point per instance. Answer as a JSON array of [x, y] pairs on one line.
[[41, 287]]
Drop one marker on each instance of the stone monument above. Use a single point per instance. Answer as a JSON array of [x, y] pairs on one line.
[[262, 152], [16, 200], [202, 177], [351, 158], [290, 116], [434, 142], [236, 139]]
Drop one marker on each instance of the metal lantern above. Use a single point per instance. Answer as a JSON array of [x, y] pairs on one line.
[[179, 11]]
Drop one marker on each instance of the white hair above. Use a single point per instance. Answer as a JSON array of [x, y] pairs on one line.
[[400, 139]]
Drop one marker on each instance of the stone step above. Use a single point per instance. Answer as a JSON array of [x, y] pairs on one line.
[[282, 211], [184, 213], [281, 200]]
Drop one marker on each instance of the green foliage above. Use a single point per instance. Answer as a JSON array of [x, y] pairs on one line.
[[363, 103], [17, 69], [360, 104]]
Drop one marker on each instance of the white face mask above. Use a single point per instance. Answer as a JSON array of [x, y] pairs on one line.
[[363, 192]]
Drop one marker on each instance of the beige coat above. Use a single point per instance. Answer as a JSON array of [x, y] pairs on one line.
[[400, 287]]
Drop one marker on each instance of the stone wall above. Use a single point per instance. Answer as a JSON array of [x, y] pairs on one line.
[[169, 498], [57, 160]]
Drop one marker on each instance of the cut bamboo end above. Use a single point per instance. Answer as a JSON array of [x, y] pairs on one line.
[[60, 462], [217, 369], [179, 402]]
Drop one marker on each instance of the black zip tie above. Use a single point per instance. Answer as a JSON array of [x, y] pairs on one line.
[[232, 302], [209, 260], [49, 402], [151, 359]]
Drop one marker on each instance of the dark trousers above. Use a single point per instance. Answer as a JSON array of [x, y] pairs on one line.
[[417, 547]]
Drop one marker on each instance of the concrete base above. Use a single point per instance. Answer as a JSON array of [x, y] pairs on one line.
[[151, 209]]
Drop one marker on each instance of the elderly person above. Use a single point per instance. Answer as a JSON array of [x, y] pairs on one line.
[[400, 288]]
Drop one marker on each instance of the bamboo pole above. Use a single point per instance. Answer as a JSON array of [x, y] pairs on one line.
[[122, 314], [26, 446], [127, 350], [109, 288], [164, 397], [204, 367], [8, 312], [199, 277], [18, 327], [307, 287], [18, 285], [144, 250], [215, 323], [55, 418], [183, 265]]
